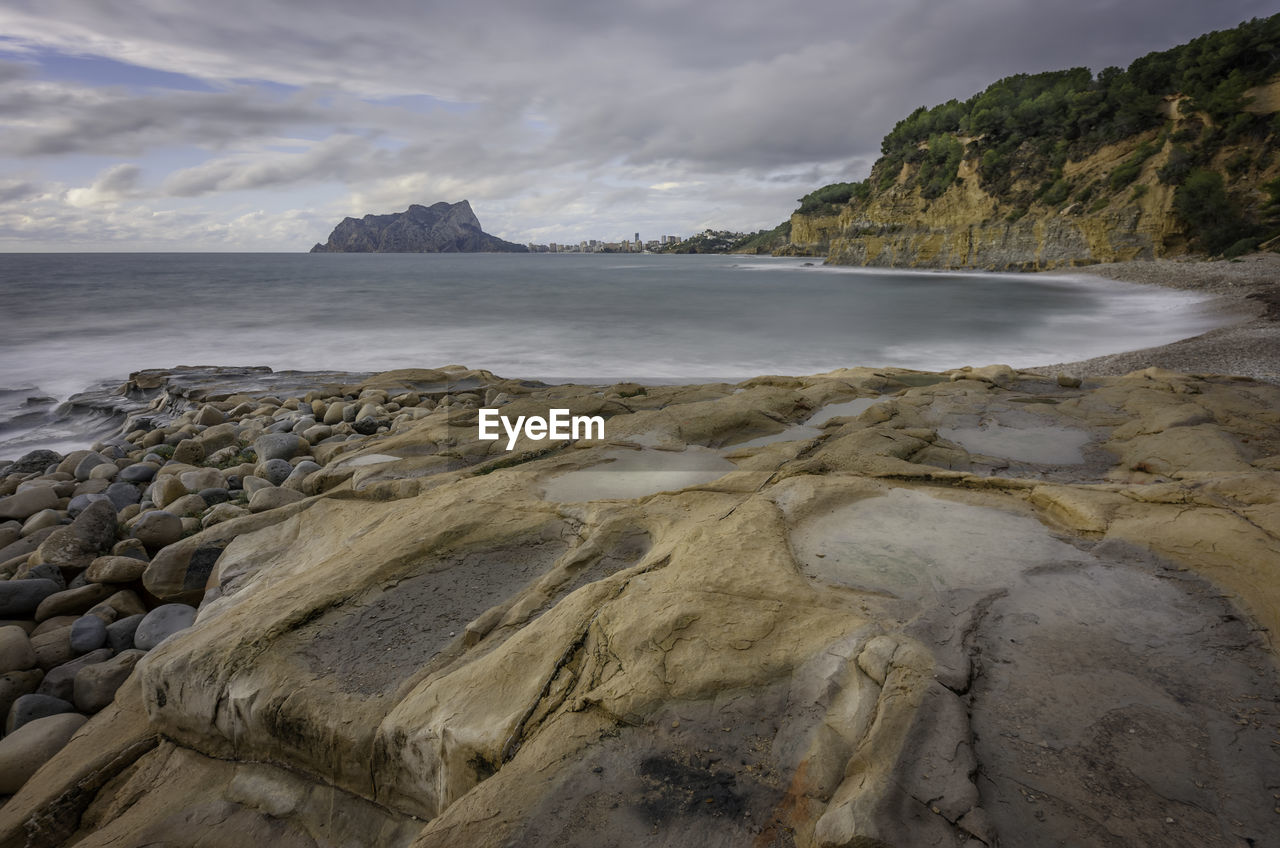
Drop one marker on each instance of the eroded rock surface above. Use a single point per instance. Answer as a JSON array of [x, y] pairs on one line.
[[862, 608]]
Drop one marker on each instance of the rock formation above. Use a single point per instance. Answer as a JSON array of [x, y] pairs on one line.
[[868, 607], [439, 228], [1172, 156]]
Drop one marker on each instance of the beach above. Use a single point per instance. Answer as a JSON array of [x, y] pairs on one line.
[[1247, 289]]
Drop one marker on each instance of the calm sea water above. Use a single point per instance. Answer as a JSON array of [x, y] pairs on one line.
[[73, 320]]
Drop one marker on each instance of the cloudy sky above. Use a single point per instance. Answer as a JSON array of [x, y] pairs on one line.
[[255, 125]]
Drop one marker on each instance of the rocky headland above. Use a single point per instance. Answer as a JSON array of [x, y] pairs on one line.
[[438, 228], [867, 607]]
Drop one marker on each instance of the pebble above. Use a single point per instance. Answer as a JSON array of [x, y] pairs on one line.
[[123, 494], [88, 633], [82, 502], [161, 623], [120, 633]]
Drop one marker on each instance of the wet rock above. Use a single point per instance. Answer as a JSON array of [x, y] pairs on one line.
[[161, 623], [31, 746]]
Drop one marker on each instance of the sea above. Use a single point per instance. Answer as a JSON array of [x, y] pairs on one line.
[[80, 322]]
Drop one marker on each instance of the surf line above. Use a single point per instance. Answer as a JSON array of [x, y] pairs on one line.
[[559, 425]]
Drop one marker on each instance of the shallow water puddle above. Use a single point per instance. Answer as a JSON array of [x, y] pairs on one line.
[[1039, 444], [625, 474], [811, 427], [912, 544], [1103, 681]]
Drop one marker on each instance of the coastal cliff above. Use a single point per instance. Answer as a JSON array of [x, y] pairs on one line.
[[1174, 156], [439, 228]]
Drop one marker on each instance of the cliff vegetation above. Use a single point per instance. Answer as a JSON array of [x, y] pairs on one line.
[[1174, 155]]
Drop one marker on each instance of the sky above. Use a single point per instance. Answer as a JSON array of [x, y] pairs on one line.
[[247, 125]]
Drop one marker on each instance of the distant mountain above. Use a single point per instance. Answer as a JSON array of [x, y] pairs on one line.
[[439, 228]]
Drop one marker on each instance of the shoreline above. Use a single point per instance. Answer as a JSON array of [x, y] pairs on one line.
[[1248, 289]]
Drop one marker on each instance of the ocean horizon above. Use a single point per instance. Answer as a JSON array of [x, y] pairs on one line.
[[77, 321]]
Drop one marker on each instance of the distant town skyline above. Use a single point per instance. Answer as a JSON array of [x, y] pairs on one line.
[[249, 126]]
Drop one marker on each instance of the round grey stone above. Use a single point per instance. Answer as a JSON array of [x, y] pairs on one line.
[[275, 471], [21, 598], [123, 494], [280, 445], [88, 633], [214, 495], [28, 708], [161, 623], [120, 633], [139, 472], [82, 502], [88, 464]]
